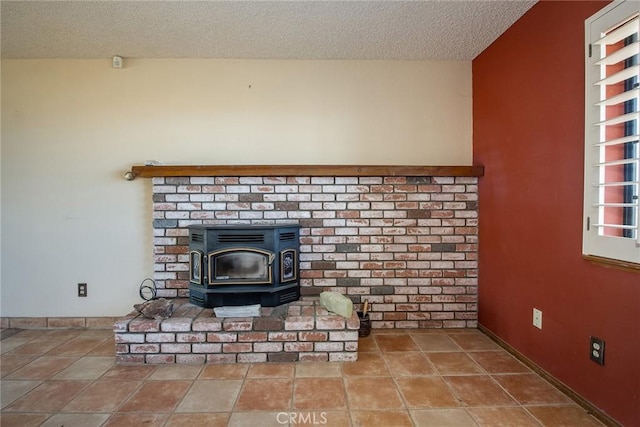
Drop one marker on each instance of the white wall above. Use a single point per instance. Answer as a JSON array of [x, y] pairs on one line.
[[71, 128]]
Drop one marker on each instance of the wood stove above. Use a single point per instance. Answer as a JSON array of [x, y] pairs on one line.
[[243, 264]]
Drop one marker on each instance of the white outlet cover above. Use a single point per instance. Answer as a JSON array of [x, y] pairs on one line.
[[537, 318], [116, 62]]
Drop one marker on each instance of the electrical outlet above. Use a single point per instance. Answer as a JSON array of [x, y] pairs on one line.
[[597, 350], [82, 289], [537, 318]]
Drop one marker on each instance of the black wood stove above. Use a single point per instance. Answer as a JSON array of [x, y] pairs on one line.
[[243, 264]]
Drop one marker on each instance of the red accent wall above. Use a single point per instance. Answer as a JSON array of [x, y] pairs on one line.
[[528, 113]]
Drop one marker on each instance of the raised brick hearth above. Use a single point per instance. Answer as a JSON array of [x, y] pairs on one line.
[[299, 331]]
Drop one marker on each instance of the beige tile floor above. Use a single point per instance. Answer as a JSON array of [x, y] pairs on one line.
[[402, 378]]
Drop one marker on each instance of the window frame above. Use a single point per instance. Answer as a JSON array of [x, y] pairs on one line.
[[621, 251]]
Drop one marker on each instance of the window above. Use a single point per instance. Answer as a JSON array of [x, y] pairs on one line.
[[612, 158]]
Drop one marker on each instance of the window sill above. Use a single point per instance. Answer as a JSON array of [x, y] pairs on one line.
[[613, 263]]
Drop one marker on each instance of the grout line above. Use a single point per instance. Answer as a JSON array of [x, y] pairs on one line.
[[490, 375], [398, 391]]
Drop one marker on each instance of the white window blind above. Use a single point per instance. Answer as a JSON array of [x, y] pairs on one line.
[[612, 152]]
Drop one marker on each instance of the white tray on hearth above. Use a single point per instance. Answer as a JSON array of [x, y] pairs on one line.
[[238, 311]]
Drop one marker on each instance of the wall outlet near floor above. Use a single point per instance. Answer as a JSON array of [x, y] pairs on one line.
[[597, 350], [82, 289], [537, 318]]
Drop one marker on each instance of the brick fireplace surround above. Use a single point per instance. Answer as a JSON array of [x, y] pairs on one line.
[[407, 244]]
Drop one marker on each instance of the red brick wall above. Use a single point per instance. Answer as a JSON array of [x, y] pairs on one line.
[[408, 245]]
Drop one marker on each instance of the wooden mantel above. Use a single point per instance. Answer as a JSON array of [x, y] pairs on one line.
[[303, 170]]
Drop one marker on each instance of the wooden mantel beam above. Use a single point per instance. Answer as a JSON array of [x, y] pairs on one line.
[[303, 170]]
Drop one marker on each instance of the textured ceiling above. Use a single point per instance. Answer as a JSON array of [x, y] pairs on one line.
[[412, 30]]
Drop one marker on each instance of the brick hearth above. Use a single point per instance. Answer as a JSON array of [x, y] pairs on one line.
[[299, 331]]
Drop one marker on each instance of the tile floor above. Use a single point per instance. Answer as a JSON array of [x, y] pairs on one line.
[[402, 378]]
